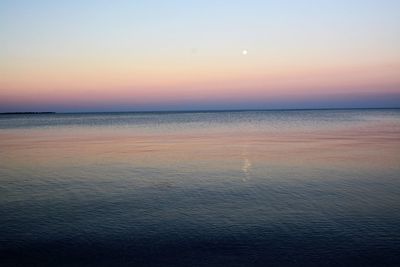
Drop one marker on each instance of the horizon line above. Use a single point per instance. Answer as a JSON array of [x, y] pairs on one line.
[[191, 111]]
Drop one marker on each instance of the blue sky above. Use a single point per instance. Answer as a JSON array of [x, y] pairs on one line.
[[100, 55]]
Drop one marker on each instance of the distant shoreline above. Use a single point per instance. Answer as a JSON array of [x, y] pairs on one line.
[[193, 111], [25, 113]]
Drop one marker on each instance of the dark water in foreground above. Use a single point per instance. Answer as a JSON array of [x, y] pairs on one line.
[[284, 188]]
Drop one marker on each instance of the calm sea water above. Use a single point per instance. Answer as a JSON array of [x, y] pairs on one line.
[[281, 188]]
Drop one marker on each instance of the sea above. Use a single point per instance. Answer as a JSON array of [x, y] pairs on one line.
[[226, 188]]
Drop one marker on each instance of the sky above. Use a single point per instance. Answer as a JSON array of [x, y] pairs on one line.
[[114, 55]]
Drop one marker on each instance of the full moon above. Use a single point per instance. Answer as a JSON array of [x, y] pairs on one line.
[[244, 52]]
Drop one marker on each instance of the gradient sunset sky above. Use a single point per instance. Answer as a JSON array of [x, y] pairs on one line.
[[175, 55]]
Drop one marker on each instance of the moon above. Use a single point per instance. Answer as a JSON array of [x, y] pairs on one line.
[[244, 52]]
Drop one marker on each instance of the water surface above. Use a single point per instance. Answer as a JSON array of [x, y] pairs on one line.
[[255, 188]]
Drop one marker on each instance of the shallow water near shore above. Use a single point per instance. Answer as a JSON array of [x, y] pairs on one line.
[[251, 188]]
